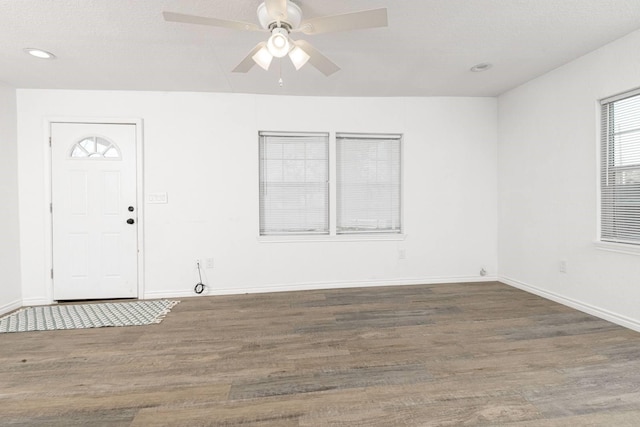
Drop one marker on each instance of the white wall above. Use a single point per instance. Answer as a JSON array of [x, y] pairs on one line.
[[202, 149], [10, 293], [548, 183]]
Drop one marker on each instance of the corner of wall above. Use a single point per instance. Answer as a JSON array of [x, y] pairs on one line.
[[548, 186], [11, 290]]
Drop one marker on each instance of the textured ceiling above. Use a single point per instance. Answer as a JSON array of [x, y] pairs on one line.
[[427, 49]]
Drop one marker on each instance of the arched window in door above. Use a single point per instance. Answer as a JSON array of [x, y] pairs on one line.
[[95, 147]]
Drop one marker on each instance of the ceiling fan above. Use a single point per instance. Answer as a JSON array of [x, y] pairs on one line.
[[281, 18]]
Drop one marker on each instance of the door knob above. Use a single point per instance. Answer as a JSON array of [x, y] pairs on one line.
[[130, 209], [130, 221]]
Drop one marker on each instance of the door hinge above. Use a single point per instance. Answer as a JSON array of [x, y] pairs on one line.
[[52, 273], [49, 141], [51, 207]]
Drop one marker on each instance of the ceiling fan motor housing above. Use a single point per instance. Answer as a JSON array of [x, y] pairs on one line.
[[292, 20]]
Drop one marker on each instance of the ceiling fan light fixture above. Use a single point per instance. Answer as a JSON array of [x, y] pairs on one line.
[[278, 44], [263, 58], [298, 57]]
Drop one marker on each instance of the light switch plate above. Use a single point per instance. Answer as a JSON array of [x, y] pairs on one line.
[[157, 198]]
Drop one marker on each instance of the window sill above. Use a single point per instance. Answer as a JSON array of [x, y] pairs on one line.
[[618, 247], [332, 238]]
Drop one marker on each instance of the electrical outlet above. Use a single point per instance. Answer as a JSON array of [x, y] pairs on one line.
[[198, 263], [209, 262], [562, 266], [483, 271], [402, 254]]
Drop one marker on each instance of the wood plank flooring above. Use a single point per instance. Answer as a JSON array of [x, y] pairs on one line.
[[432, 355]]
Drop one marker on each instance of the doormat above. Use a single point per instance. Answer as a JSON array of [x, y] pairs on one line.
[[80, 316]]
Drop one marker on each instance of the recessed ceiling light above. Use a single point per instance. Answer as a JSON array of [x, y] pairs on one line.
[[39, 53], [484, 66]]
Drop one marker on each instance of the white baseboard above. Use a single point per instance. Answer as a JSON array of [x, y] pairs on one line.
[[172, 294], [28, 302], [13, 305], [618, 319], [217, 290]]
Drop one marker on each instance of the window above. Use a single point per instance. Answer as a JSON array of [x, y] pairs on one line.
[[368, 183], [620, 169], [294, 183], [94, 147]]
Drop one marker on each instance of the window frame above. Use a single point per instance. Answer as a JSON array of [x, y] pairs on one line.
[[606, 170], [400, 166], [97, 140], [332, 236], [261, 166]]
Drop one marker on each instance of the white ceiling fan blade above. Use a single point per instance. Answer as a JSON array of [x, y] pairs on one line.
[[247, 63], [213, 22], [344, 22], [277, 9], [317, 59]]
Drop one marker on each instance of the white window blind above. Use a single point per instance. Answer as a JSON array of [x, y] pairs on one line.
[[620, 169], [368, 183], [294, 189]]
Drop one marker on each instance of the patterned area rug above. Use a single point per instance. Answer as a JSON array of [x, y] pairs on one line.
[[54, 317]]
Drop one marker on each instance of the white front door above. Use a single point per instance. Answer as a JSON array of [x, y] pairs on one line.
[[94, 211]]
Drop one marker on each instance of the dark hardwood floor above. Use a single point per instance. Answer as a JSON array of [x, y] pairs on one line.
[[436, 355]]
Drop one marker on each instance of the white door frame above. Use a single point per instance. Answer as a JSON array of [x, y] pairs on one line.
[[48, 167]]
